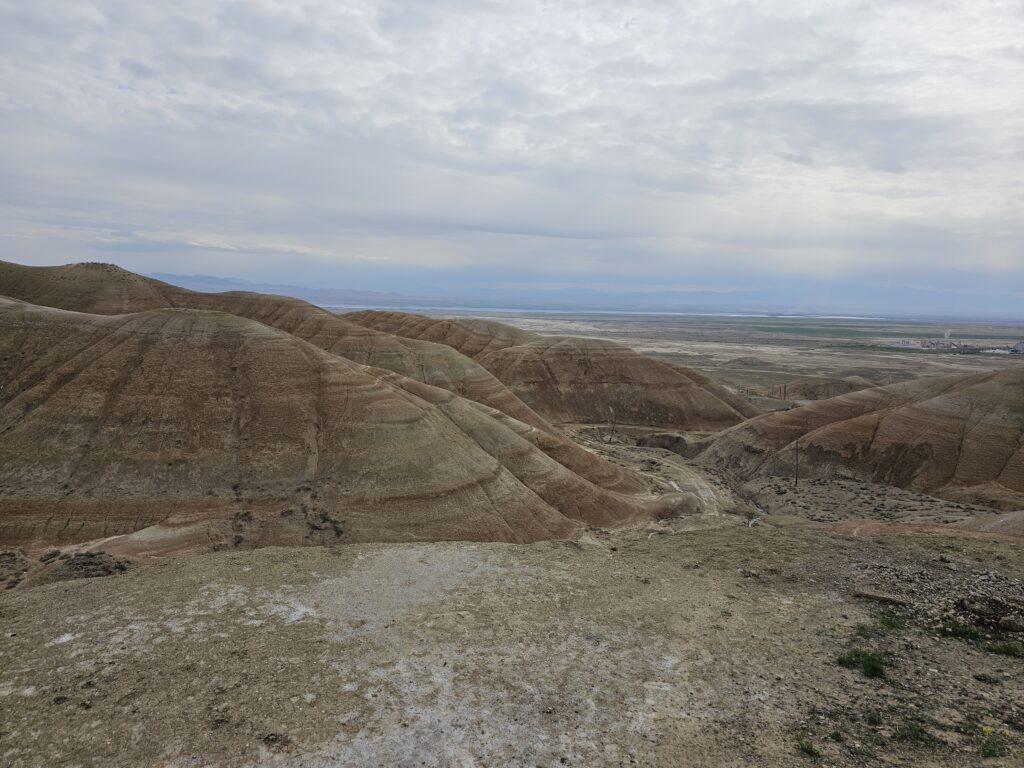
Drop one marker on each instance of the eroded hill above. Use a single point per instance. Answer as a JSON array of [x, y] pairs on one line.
[[202, 429], [570, 379], [956, 437], [107, 289]]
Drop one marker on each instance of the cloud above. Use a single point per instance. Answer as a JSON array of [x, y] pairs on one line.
[[488, 138]]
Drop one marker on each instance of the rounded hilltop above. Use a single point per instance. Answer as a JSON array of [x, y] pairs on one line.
[[573, 379]]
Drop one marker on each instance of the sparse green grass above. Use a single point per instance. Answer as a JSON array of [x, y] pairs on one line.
[[891, 620], [989, 742], [862, 751], [973, 634], [961, 631], [807, 748], [992, 744], [1002, 646], [911, 732], [971, 727], [876, 739], [1016, 650], [873, 717], [886, 621], [864, 631], [869, 663]]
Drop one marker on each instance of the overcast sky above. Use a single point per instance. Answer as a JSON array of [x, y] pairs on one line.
[[530, 143]]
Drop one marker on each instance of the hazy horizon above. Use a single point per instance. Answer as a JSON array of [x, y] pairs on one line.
[[849, 156], [799, 299]]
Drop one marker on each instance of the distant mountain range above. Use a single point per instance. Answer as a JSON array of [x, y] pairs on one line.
[[800, 298]]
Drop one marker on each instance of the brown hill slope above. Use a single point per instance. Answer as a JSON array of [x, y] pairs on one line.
[[107, 289], [433, 364], [955, 437], [822, 387], [102, 289], [470, 336], [200, 429], [579, 380]]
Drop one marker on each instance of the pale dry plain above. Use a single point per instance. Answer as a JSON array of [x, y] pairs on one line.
[[837, 622]]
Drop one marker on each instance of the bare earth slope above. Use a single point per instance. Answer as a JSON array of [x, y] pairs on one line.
[[227, 432], [569, 379], [101, 289], [954, 437], [107, 289], [470, 336]]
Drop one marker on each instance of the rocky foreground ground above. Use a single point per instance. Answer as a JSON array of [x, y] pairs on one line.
[[700, 642]]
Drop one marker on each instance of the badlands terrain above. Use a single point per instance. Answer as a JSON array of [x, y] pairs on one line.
[[242, 530]]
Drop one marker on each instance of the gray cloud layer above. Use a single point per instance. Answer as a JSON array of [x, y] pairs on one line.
[[592, 143]]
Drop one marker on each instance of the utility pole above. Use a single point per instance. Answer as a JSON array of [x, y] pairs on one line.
[[611, 427], [796, 474]]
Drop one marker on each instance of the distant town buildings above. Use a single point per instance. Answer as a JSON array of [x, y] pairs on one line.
[[948, 345]]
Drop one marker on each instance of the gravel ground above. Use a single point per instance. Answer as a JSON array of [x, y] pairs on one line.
[[669, 645]]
